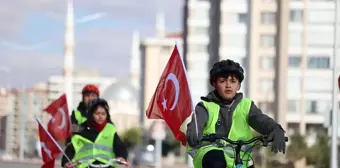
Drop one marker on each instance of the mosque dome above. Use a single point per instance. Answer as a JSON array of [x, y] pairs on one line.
[[122, 90]]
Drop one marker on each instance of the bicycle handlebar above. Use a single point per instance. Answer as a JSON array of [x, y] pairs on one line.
[[214, 137], [121, 162]]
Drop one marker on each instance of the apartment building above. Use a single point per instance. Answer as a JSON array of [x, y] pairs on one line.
[[288, 66], [23, 106], [213, 30]]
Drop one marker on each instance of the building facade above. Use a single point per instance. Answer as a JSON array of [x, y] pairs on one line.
[[23, 107], [213, 30], [80, 79], [286, 48]]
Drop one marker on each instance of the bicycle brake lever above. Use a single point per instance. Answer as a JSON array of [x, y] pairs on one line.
[[265, 143]]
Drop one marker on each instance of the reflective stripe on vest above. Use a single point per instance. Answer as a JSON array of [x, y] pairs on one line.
[[100, 150], [79, 117], [240, 130]]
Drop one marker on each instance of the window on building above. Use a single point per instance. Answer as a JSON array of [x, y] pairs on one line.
[[165, 50], [199, 30], [268, 17], [235, 18], [311, 106], [242, 18], [266, 107], [200, 67], [319, 84], [244, 62], [198, 48], [234, 40], [294, 61], [318, 62], [317, 16], [293, 106], [320, 38], [294, 85], [199, 14], [266, 85], [295, 39], [318, 106], [296, 15], [267, 62], [267, 40]]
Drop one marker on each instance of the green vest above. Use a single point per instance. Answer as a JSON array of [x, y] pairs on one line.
[[240, 130], [79, 117], [100, 150]]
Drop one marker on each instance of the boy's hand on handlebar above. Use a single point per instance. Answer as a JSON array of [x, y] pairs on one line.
[[71, 164], [278, 138]]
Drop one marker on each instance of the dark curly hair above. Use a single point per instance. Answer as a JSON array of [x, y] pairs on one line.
[[93, 106], [225, 68]]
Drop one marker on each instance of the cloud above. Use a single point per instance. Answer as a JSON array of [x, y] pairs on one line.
[[29, 67], [102, 44]]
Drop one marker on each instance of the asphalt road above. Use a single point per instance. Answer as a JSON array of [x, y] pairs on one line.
[[38, 165]]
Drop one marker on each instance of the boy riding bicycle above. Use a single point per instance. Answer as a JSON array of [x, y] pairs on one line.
[[225, 112]]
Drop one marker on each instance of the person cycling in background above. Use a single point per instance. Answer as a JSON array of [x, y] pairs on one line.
[[98, 141], [79, 114], [224, 112]]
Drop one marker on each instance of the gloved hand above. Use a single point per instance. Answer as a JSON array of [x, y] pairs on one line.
[[76, 129], [193, 140], [278, 138]]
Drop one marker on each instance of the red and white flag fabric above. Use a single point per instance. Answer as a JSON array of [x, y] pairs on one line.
[[60, 125], [172, 99], [49, 148]]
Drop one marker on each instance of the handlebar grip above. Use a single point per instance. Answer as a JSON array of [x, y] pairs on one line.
[[286, 139]]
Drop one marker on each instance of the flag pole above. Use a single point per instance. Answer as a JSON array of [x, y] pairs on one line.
[[334, 144], [192, 102], [62, 151], [190, 163]]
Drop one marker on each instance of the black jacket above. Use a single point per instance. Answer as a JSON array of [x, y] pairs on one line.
[[256, 119], [83, 110], [91, 134]]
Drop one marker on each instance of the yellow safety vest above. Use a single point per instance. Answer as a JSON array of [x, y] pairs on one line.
[[100, 150]]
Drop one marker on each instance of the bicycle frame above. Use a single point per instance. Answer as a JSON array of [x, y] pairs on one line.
[[238, 161], [118, 161]]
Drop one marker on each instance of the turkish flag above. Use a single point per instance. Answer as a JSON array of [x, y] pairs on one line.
[[49, 149], [172, 100], [60, 125]]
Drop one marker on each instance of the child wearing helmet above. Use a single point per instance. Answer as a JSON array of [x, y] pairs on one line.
[[79, 115], [229, 107], [89, 93], [98, 140]]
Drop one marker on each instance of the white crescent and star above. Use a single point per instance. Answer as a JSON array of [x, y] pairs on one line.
[[174, 80], [46, 150], [63, 120]]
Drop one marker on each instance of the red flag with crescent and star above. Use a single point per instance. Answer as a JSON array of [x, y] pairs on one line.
[[172, 100], [49, 148], [59, 125]]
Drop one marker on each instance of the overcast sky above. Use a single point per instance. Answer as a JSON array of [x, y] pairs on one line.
[[32, 35]]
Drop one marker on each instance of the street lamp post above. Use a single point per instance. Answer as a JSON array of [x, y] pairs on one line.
[[334, 147]]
